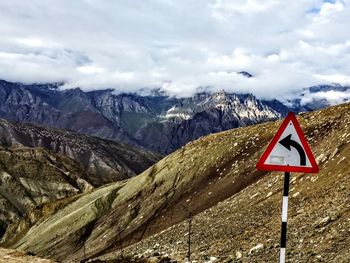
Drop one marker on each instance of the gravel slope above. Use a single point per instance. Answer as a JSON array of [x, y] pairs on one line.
[[16, 256], [246, 226]]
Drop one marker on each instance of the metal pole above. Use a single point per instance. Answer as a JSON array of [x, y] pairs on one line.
[[189, 238], [284, 217]]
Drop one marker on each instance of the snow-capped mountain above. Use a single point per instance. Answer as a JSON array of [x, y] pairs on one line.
[[156, 122], [191, 118], [240, 106]]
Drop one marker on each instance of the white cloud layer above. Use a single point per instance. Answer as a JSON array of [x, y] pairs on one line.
[[332, 97], [176, 44]]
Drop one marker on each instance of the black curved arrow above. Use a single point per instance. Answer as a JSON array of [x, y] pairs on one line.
[[288, 142]]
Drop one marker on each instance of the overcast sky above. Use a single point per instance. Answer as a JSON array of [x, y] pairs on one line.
[[177, 45]]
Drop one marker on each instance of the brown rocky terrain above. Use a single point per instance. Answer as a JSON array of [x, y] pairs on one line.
[[15, 256], [106, 161], [30, 177], [41, 165], [246, 226], [235, 208]]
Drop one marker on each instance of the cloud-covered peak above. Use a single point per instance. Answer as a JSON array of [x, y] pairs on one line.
[[179, 46]]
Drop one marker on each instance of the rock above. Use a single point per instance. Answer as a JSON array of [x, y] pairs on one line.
[[256, 248], [296, 194], [336, 150], [17, 256], [321, 158], [323, 222]]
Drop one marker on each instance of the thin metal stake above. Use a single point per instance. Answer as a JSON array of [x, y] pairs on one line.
[[189, 238]]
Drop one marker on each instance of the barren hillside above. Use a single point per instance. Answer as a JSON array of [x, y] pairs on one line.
[[15, 256], [106, 161], [246, 226], [199, 176]]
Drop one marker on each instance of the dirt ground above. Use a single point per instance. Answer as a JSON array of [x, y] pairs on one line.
[[16, 256]]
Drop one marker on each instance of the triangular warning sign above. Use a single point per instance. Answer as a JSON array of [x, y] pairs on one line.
[[288, 150]]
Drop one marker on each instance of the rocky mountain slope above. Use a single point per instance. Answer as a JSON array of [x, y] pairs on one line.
[[149, 121], [156, 122], [197, 177], [31, 177], [105, 161], [14, 256], [40, 165], [201, 115], [246, 226]]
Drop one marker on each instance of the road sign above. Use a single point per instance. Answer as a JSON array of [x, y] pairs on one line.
[[288, 150]]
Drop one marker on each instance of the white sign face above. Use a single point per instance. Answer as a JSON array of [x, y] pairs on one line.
[[289, 150]]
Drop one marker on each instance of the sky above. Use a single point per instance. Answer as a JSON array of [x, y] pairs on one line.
[[180, 46]]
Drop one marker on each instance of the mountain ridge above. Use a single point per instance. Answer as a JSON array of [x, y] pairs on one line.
[[107, 161], [156, 122]]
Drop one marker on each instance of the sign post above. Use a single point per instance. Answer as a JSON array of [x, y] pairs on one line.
[[284, 217], [288, 152]]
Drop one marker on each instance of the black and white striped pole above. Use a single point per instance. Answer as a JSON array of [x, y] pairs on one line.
[[284, 217]]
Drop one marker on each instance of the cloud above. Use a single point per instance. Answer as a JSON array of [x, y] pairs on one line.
[[332, 97], [180, 46]]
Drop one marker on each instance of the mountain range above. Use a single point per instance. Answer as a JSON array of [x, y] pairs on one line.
[[234, 208], [81, 175], [156, 122]]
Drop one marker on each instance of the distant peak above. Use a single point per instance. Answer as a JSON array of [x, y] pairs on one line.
[[157, 92], [246, 74], [328, 87], [102, 91], [220, 94]]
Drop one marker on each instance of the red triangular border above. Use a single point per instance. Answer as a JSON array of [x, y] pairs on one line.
[[269, 167]]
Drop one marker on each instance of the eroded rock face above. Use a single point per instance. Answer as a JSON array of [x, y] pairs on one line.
[[158, 123], [40, 165], [105, 161], [16, 256], [31, 177], [202, 115]]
